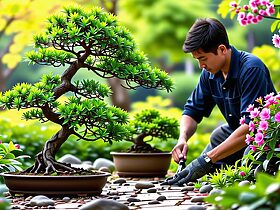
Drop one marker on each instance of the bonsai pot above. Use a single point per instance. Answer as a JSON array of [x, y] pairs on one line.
[[81, 185], [141, 164]]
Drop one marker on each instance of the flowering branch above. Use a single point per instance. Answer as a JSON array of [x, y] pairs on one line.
[[269, 17], [264, 133], [254, 12]]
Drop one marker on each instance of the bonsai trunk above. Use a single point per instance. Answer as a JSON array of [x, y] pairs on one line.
[[119, 97], [45, 160], [140, 146]]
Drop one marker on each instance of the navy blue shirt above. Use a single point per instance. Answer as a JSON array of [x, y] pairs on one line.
[[248, 78]]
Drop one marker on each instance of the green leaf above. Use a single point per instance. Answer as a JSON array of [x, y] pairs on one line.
[[10, 156], [275, 25], [3, 148], [263, 180]]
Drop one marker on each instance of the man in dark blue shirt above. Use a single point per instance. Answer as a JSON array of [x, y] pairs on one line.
[[230, 79]]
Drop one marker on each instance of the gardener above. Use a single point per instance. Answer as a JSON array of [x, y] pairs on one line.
[[230, 79]]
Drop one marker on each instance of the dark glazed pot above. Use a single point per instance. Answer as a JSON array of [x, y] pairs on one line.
[[55, 185], [141, 164]]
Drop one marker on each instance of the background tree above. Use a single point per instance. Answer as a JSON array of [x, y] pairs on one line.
[[19, 20], [160, 26], [79, 39]]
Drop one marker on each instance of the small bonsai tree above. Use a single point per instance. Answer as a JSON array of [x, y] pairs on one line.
[[77, 39], [147, 125]]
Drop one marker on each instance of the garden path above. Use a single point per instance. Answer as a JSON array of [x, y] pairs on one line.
[[125, 191]]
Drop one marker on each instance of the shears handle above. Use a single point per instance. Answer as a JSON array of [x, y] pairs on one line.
[[181, 165]]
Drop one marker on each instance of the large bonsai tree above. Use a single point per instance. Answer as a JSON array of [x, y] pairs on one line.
[[81, 40]]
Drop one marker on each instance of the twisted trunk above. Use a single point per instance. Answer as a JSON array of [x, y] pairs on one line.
[[45, 160]]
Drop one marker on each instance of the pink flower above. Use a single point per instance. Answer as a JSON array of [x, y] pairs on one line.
[[242, 120], [255, 113], [241, 15], [248, 139], [270, 101], [265, 114], [268, 96], [250, 108], [250, 16], [253, 148], [265, 148], [277, 117], [17, 146], [243, 22], [246, 7], [242, 173], [276, 40], [263, 12], [259, 139], [259, 17], [263, 125], [233, 4], [251, 126], [255, 20], [270, 10]]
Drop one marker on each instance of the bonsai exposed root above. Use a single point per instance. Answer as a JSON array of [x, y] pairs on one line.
[[52, 166]]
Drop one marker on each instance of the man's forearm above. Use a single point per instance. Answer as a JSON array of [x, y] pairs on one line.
[[234, 143], [187, 127]]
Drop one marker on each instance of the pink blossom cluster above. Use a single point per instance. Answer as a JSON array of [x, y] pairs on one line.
[[276, 40], [265, 120], [253, 12]]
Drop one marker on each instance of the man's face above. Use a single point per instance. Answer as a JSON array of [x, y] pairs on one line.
[[210, 61]]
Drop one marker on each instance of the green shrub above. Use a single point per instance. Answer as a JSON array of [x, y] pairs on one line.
[[230, 174], [9, 157], [264, 194], [31, 138]]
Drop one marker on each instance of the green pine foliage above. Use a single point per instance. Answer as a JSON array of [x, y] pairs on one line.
[[92, 40]]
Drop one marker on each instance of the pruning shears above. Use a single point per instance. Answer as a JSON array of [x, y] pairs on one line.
[[181, 166]]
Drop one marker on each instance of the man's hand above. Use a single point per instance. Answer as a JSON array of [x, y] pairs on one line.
[[195, 170], [180, 150]]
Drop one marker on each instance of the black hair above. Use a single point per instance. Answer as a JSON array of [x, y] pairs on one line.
[[206, 34]]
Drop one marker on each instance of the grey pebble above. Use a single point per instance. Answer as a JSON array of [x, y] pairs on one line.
[[41, 200], [244, 183], [119, 181], [154, 202], [216, 192], [187, 188], [152, 190], [66, 199], [144, 185], [132, 199], [205, 189], [198, 198], [190, 184], [104, 204], [161, 198]]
